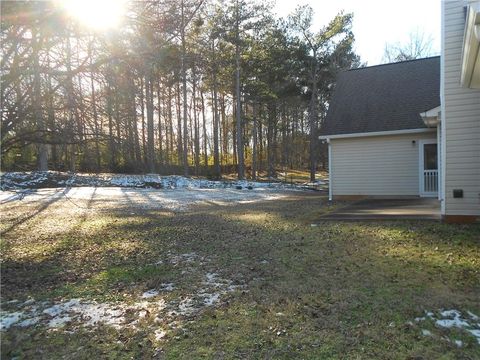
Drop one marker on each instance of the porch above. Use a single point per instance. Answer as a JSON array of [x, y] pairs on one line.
[[388, 209]]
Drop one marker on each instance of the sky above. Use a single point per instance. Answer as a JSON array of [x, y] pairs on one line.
[[376, 22]]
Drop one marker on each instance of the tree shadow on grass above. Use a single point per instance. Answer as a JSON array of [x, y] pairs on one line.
[[44, 205]]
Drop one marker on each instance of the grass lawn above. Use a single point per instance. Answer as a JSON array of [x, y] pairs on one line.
[[233, 279]]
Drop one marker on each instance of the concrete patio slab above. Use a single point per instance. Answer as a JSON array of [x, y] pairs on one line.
[[388, 209]]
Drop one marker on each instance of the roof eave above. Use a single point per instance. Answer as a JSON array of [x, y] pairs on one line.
[[375, 133]]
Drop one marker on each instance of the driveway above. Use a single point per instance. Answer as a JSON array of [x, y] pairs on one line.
[[389, 209]]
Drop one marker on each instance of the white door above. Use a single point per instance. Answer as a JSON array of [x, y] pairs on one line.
[[428, 168]]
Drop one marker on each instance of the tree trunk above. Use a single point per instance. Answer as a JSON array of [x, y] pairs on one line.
[[37, 103], [160, 135], [72, 109], [224, 126], [138, 154], [179, 128], [95, 122], [51, 117], [254, 135], [184, 88], [313, 121], [271, 148], [170, 125], [204, 128], [142, 107], [196, 140], [111, 140], [150, 130], [216, 159], [260, 140], [241, 164]]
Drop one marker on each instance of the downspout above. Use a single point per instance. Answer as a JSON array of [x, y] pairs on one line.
[[330, 190], [439, 161], [443, 120]]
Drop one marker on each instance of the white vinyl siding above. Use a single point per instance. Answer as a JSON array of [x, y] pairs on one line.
[[377, 166], [461, 120]]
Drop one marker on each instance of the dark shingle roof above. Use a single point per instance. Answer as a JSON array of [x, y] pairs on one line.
[[384, 97]]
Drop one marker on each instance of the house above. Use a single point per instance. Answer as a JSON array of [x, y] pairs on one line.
[[460, 110], [412, 128]]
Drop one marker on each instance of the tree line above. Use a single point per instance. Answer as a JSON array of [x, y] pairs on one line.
[[183, 86]]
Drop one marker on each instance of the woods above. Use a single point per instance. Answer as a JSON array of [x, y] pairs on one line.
[[191, 87]]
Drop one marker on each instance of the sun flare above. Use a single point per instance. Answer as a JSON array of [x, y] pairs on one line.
[[96, 14]]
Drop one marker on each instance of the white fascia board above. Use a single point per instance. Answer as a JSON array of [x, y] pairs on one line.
[[377, 133], [471, 44], [432, 112], [432, 117]]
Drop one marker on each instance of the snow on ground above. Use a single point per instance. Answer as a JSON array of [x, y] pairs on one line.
[[77, 311], [171, 193], [161, 307], [53, 179], [161, 199], [448, 319]]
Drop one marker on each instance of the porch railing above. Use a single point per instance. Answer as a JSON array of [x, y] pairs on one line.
[[430, 181]]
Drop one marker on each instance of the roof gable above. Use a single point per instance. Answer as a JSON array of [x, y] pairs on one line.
[[385, 97]]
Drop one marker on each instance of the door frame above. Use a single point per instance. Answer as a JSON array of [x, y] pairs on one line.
[[421, 180]]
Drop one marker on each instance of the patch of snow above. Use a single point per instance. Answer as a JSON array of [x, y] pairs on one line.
[[29, 322], [61, 308], [184, 258], [231, 287], [450, 313], [187, 307], [149, 294], [167, 287], [426, 332], [76, 313], [448, 323], [453, 318], [211, 299], [142, 314], [459, 343], [59, 321], [473, 316], [211, 278], [315, 183], [128, 199], [476, 333], [29, 302], [102, 313], [38, 179], [8, 319], [160, 334]]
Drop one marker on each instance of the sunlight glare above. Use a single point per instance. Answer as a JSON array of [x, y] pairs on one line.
[[96, 14]]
